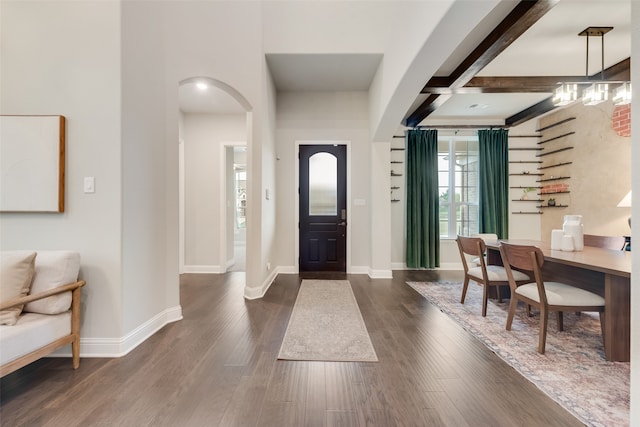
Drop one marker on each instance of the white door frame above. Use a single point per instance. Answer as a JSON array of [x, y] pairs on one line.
[[224, 220]]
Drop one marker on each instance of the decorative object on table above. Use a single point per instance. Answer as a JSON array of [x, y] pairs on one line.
[[556, 239], [551, 202], [567, 243], [573, 227]]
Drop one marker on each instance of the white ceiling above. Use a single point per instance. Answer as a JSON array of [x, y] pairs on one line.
[[551, 47]]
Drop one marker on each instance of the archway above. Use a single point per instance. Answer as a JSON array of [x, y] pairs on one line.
[[212, 114]]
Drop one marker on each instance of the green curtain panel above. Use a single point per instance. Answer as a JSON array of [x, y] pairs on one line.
[[494, 182], [423, 234]]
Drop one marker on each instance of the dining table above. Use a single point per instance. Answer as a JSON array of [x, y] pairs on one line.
[[606, 272]]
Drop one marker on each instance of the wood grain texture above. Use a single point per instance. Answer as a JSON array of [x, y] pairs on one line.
[[218, 367]]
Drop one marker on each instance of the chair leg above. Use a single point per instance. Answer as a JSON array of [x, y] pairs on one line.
[[464, 289], [544, 320], [529, 310], [560, 321], [485, 298], [499, 293], [513, 304]]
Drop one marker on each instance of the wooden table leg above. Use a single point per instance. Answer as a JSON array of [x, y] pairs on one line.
[[617, 324]]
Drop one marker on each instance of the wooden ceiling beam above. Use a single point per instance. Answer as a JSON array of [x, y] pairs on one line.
[[522, 17], [534, 111], [432, 103], [519, 20]]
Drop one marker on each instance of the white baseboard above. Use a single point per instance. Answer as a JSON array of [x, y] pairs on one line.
[[443, 266], [380, 274], [202, 269], [118, 347], [259, 291], [357, 269]]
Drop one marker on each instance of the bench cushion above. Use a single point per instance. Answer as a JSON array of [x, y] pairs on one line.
[[53, 269], [31, 332], [16, 272]]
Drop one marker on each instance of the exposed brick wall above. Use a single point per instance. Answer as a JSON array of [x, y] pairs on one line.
[[554, 188], [621, 120]]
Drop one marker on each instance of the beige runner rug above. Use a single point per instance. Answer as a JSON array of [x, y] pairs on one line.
[[326, 325]]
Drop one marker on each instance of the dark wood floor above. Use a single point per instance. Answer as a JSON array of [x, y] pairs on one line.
[[218, 367]]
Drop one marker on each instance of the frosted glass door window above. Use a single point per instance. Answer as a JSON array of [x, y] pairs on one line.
[[323, 184]]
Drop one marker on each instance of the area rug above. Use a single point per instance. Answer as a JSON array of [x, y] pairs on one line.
[[326, 325], [573, 371]]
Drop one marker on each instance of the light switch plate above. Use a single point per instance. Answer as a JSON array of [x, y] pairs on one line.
[[89, 184]]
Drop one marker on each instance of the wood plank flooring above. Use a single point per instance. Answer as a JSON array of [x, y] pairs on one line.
[[218, 367]]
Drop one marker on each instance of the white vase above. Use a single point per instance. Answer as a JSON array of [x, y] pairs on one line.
[[573, 227]]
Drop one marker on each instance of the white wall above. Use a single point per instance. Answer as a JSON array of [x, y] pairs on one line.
[[64, 58], [635, 183], [204, 136], [149, 250], [324, 116]]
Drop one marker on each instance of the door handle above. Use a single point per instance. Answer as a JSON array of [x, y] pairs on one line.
[[343, 223]]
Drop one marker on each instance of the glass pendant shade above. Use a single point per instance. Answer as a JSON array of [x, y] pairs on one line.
[[595, 94], [565, 94], [622, 94]]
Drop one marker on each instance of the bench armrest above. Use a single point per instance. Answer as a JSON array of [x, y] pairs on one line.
[[41, 295]]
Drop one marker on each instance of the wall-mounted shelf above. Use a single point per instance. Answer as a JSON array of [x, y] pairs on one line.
[[554, 206], [556, 124], [526, 149], [396, 161], [526, 174], [526, 161], [397, 149], [553, 178], [395, 174], [395, 200], [556, 137], [522, 187], [553, 192], [395, 187], [528, 200], [554, 151], [554, 166], [527, 213]]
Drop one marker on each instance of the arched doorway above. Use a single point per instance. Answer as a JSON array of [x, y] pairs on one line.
[[213, 125]]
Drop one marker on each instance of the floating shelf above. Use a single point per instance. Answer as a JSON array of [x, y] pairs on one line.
[[526, 174], [395, 200], [557, 178], [523, 187], [527, 200], [526, 149], [554, 166], [395, 174], [397, 161], [556, 137], [554, 192], [395, 187], [397, 149], [526, 161], [554, 151], [527, 213], [556, 124], [554, 206]]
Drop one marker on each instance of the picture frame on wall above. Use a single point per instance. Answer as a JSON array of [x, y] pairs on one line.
[[32, 163]]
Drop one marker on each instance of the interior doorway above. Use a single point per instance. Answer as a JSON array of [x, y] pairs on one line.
[[239, 217]]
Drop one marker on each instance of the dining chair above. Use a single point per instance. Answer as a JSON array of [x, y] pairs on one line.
[[486, 275], [485, 237], [606, 242], [546, 296]]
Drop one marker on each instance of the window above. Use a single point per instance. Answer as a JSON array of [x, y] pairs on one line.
[[458, 185]]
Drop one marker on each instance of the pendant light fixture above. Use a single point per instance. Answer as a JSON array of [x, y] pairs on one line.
[[598, 90]]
